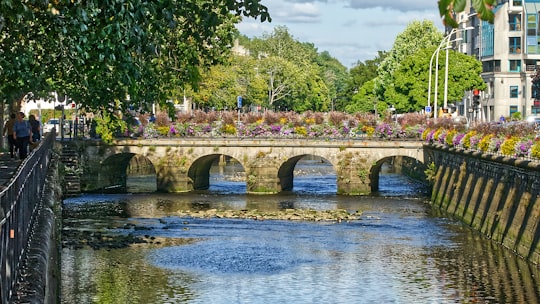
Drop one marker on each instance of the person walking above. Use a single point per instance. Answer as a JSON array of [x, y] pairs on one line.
[[22, 133], [8, 131], [36, 126]]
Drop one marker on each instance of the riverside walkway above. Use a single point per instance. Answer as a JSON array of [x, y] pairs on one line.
[[8, 168], [21, 207]]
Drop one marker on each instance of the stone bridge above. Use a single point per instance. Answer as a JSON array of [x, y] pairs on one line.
[[183, 164]]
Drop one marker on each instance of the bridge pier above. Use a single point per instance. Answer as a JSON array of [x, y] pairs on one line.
[[171, 179], [263, 179], [354, 180]]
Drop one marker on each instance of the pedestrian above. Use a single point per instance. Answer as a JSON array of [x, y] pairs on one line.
[[502, 119], [36, 127], [8, 131], [22, 133], [152, 118]]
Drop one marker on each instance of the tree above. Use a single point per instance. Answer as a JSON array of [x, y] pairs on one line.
[[336, 77], [449, 8], [411, 79], [417, 36], [99, 52], [298, 77], [359, 75]]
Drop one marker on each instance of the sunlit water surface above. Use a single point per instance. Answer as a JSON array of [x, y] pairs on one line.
[[398, 252]]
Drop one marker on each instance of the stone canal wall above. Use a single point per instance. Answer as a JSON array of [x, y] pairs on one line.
[[498, 196]]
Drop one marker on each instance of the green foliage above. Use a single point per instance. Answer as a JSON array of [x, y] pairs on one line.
[[448, 8], [102, 51], [417, 36], [281, 74], [410, 79], [431, 173]]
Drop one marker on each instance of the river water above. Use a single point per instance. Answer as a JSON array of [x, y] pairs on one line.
[[398, 251]]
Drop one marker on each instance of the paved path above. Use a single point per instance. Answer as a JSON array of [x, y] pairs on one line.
[[8, 167]]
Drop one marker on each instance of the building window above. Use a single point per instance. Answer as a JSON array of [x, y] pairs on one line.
[[515, 65], [513, 109], [535, 110], [514, 92], [515, 45], [514, 21], [532, 38], [517, 2]]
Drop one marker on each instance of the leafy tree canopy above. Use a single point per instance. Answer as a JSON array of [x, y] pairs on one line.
[[448, 8], [100, 52], [417, 36], [411, 79]]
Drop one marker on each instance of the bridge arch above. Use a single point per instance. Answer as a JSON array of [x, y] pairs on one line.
[[199, 170], [401, 164], [286, 170], [118, 170]]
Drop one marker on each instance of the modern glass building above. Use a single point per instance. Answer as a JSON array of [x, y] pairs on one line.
[[509, 50]]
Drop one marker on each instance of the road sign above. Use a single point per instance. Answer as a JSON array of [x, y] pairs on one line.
[[428, 109], [239, 99]]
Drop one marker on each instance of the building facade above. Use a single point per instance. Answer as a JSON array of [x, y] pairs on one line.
[[509, 49]]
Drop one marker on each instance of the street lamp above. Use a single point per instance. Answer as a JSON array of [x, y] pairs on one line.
[[393, 110], [446, 63], [445, 40]]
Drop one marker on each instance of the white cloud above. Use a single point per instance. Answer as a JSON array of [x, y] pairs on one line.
[[296, 13], [350, 30], [397, 5]]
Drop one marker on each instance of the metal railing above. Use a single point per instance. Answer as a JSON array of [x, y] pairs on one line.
[[19, 203]]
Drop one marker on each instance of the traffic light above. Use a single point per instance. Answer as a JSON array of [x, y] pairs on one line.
[[476, 97], [476, 100]]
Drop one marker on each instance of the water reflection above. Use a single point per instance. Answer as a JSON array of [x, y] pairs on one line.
[[399, 252]]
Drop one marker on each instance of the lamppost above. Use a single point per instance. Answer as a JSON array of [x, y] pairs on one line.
[[446, 40], [393, 110], [445, 104]]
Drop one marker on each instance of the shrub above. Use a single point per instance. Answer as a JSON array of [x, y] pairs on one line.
[[228, 129], [467, 139], [450, 137], [523, 148], [425, 133], [162, 119], [300, 131], [458, 140], [384, 130], [271, 118], [483, 145], [535, 149], [509, 144], [337, 118]]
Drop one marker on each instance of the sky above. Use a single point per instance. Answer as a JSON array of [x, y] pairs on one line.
[[350, 30]]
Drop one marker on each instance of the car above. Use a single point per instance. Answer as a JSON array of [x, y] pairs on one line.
[[53, 123], [534, 119]]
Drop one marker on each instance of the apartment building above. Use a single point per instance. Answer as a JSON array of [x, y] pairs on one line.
[[509, 49]]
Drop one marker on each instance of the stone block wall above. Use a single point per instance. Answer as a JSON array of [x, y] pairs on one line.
[[498, 196]]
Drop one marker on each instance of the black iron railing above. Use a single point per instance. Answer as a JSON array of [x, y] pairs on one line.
[[19, 203]]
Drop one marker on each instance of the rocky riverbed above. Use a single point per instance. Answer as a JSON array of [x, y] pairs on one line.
[[337, 215], [110, 238]]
